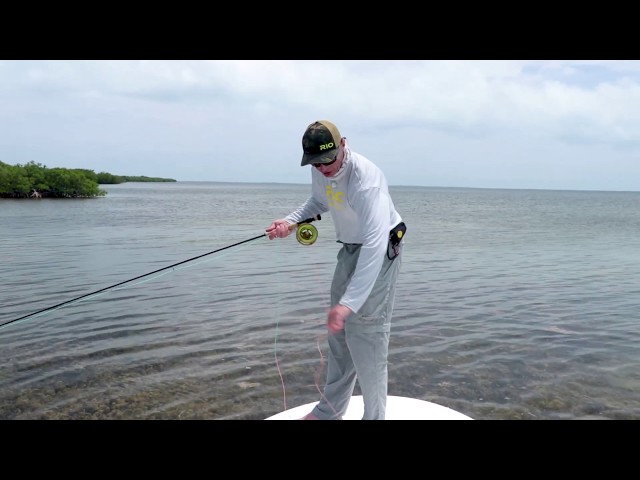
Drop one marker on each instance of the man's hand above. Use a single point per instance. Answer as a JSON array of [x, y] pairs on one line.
[[279, 228], [337, 317]]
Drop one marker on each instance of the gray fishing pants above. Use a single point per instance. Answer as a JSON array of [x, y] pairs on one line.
[[360, 350]]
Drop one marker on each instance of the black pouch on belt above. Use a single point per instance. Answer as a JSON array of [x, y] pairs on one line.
[[395, 236]]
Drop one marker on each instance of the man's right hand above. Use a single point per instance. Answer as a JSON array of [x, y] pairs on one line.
[[279, 228]]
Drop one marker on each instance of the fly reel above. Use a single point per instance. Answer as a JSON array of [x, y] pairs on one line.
[[307, 234]]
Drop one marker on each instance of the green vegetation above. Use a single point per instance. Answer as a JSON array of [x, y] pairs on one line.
[[36, 180], [107, 178]]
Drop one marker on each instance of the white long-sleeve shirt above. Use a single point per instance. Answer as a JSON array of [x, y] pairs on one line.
[[362, 211]]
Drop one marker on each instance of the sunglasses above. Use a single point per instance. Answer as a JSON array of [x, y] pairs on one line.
[[318, 165]]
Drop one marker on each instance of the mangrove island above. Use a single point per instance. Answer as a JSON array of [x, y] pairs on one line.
[[34, 180]]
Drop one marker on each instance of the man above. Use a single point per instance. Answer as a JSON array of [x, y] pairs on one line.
[[370, 231]]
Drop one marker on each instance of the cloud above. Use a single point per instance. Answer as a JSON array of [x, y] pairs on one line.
[[243, 120]]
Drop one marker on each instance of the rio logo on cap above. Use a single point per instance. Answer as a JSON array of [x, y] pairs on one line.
[[327, 146]]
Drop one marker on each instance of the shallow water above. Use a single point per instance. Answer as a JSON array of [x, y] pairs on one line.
[[511, 304]]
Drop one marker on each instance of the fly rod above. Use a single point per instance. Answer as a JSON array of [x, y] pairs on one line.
[[306, 235]]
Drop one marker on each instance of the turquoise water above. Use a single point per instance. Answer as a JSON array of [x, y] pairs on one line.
[[512, 304]]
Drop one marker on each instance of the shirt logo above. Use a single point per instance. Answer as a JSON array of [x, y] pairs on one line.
[[336, 199]]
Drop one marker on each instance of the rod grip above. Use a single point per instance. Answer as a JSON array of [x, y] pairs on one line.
[[308, 220]]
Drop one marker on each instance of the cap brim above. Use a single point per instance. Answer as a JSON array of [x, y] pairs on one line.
[[324, 157]]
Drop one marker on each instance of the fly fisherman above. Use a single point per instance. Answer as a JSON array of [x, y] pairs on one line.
[[370, 231]]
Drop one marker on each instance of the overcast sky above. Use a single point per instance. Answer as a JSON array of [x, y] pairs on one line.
[[571, 125]]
